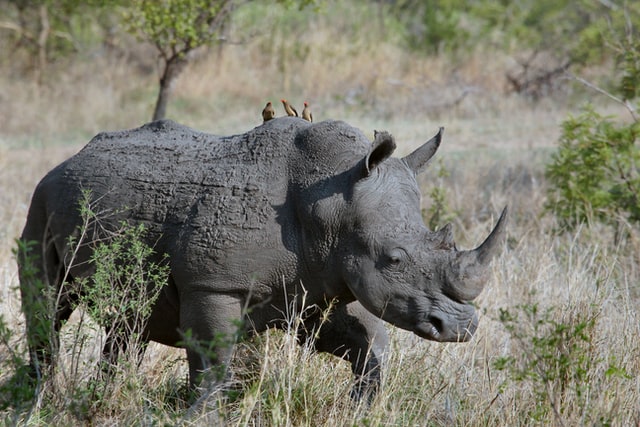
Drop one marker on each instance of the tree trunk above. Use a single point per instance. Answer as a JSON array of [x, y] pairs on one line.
[[161, 103], [173, 67], [43, 36]]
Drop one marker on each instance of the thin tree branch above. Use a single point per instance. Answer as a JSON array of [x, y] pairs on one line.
[[6, 25], [611, 96], [608, 4]]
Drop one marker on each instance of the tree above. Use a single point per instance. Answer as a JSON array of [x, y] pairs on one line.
[[177, 28]]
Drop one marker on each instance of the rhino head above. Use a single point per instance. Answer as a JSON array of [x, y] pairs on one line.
[[395, 266]]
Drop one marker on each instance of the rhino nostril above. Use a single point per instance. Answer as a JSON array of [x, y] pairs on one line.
[[437, 323]]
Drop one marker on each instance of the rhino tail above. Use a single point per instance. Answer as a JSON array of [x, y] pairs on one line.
[[44, 306]]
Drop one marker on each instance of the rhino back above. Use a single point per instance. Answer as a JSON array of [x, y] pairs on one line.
[[183, 184]]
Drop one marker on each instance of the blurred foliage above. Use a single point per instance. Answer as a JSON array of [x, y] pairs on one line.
[[627, 49], [545, 38], [574, 29], [440, 211], [564, 26], [435, 26], [594, 174], [35, 33]]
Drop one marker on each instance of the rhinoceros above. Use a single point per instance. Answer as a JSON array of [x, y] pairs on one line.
[[247, 224]]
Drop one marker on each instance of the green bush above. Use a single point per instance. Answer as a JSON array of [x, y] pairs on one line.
[[439, 212], [118, 296], [556, 355], [17, 390], [594, 173], [434, 26]]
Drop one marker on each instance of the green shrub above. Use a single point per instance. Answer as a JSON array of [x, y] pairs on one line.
[[434, 26], [439, 212], [119, 296], [555, 354], [594, 173], [17, 390], [125, 284]]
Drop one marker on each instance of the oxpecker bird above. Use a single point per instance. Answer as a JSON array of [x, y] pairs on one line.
[[268, 113], [288, 108], [306, 113]]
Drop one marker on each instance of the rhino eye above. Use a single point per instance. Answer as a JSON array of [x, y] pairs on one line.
[[396, 256]]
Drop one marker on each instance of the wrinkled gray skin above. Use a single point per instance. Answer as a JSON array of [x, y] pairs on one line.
[[255, 220]]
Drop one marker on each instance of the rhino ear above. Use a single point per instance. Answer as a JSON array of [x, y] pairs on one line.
[[418, 160], [381, 149]]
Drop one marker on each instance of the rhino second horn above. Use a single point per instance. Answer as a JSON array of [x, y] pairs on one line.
[[471, 267], [444, 237]]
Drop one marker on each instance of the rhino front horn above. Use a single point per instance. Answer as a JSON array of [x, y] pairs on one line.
[[487, 249], [470, 268]]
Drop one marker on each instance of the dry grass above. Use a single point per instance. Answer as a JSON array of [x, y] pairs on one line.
[[494, 148], [343, 73]]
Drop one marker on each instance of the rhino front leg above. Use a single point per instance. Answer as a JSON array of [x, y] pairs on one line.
[[360, 338], [210, 324]]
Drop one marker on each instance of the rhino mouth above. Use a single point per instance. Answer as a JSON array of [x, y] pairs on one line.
[[430, 329], [433, 329]]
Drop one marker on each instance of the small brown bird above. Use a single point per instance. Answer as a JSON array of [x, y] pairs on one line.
[[268, 113], [306, 113], [288, 108]]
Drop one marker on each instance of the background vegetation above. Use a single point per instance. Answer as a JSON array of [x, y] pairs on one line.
[[539, 100]]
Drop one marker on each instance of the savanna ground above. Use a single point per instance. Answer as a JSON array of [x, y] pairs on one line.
[[557, 342]]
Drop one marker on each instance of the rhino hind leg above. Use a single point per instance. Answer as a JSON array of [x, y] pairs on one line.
[[359, 337], [210, 324]]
